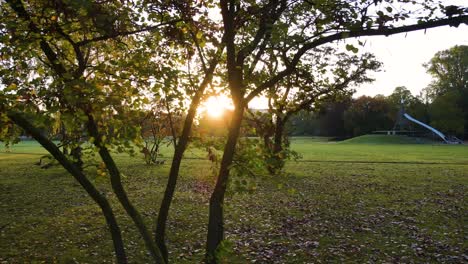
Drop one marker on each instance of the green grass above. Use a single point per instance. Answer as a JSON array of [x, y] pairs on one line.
[[388, 139], [360, 150], [343, 202]]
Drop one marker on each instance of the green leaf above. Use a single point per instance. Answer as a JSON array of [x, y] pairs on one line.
[[11, 87], [350, 47]]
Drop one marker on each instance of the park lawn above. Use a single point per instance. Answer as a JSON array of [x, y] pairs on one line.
[[343, 202], [372, 150]]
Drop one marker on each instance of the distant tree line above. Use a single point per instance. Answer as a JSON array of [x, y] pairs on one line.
[[443, 105]]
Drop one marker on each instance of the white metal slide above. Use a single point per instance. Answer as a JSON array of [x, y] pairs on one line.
[[437, 132]]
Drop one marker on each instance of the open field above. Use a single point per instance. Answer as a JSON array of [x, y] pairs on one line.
[[361, 201]]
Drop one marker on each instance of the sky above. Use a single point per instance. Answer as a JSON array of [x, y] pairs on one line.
[[403, 56]]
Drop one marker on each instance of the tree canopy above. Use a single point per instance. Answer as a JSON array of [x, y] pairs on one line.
[[449, 89]]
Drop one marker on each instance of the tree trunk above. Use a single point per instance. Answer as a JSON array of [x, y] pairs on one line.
[[266, 141], [278, 160], [216, 222], [278, 137], [117, 187], [82, 180], [160, 234], [77, 154], [180, 147]]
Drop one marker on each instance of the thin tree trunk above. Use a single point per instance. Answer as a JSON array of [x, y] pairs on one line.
[[216, 221], [116, 183], [277, 147], [266, 141], [64, 139], [77, 154], [82, 180], [160, 234], [180, 147], [278, 137]]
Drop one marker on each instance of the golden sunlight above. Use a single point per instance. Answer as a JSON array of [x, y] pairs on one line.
[[215, 106]]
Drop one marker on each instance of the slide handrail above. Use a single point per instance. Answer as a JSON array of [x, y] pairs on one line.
[[437, 132]]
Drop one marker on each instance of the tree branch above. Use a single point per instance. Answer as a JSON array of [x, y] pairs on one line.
[[125, 33], [19, 9], [454, 21], [267, 20], [119, 190], [22, 122]]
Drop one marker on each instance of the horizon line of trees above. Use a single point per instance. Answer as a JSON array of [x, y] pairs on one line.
[[442, 105]]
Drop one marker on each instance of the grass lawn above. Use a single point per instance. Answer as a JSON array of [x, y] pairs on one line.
[[357, 201]]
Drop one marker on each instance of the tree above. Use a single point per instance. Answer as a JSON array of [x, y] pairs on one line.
[[449, 68], [62, 59], [324, 75], [446, 115], [331, 117], [367, 114], [204, 51], [401, 95], [9, 133], [258, 31], [91, 46], [412, 104], [304, 123], [158, 127]]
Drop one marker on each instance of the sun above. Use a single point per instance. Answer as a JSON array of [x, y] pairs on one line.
[[215, 106]]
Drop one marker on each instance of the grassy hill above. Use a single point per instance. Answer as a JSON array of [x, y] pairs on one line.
[[387, 139]]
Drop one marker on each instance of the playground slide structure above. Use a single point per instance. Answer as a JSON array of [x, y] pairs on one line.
[[435, 131]]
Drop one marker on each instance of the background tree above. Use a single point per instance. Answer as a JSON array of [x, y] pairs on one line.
[[367, 114], [449, 68], [158, 128], [412, 104], [331, 118], [446, 115], [324, 74], [304, 123], [9, 133]]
